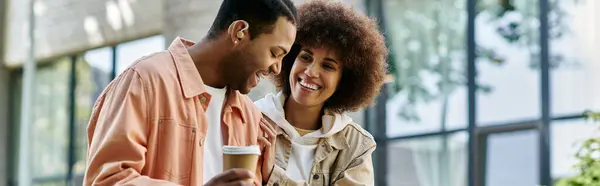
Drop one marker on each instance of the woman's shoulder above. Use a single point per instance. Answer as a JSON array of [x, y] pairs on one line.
[[357, 129], [356, 136]]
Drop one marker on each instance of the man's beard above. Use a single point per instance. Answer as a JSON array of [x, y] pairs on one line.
[[235, 70]]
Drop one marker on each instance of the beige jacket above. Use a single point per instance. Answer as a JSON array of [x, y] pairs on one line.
[[343, 158]]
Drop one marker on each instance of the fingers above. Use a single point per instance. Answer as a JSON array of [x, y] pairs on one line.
[[268, 124], [268, 130], [234, 175], [273, 128], [264, 141]]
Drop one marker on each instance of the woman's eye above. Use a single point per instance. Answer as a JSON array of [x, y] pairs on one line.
[[306, 58], [330, 67]]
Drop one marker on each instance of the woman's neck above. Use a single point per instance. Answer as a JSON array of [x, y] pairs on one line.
[[303, 117]]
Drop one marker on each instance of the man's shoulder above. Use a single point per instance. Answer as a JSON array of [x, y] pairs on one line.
[[154, 65]]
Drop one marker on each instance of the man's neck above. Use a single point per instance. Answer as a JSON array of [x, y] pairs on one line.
[[207, 55], [302, 117]]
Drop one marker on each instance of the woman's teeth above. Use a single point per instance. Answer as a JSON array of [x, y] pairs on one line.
[[309, 86]]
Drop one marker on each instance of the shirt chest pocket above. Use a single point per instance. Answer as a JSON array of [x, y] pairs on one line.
[[175, 148]]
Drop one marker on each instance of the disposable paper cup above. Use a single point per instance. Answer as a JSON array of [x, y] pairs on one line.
[[244, 157]]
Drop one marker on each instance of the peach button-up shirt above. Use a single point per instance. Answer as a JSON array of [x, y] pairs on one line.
[[149, 124]]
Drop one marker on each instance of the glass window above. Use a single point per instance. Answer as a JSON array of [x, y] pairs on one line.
[[13, 164], [428, 54], [574, 56], [50, 114], [564, 144], [512, 159], [94, 70], [508, 61], [129, 52], [429, 161], [49, 119]]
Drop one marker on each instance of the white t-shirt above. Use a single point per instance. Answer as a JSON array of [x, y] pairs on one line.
[[213, 144], [301, 161]]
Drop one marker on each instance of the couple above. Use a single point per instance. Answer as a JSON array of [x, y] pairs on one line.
[[164, 120]]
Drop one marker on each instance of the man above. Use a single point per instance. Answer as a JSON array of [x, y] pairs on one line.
[[165, 119]]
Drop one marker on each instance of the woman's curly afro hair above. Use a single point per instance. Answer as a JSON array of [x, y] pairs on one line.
[[358, 43]]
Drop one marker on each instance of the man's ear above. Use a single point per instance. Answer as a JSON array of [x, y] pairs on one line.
[[238, 31]]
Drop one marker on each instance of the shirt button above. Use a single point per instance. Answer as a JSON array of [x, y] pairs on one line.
[[315, 177], [202, 100]]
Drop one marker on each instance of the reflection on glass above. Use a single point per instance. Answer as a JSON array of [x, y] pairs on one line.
[[574, 55], [49, 127], [129, 52], [94, 71], [512, 159], [430, 161], [428, 62], [507, 36], [565, 144]]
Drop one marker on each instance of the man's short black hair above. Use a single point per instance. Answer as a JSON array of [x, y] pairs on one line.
[[260, 14]]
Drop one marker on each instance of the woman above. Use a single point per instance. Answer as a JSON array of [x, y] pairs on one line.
[[336, 65]]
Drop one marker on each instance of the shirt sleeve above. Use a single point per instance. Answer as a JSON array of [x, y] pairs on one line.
[[117, 134]]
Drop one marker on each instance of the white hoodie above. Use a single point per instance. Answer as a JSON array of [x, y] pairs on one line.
[[303, 147]]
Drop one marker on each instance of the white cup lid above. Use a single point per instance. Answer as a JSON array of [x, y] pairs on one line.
[[237, 150]]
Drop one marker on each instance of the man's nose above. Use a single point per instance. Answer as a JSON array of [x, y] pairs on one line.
[[276, 68]]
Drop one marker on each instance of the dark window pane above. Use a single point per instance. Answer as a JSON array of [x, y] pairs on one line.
[[428, 61], [507, 36], [429, 161], [48, 144], [512, 159], [51, 119], [13, 163]]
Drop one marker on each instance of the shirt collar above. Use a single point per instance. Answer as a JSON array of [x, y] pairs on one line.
[[235, 100], [190, 79], [191, 82]]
